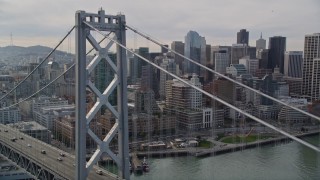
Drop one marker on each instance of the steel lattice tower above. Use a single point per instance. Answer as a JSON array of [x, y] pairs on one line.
[[115, 25]]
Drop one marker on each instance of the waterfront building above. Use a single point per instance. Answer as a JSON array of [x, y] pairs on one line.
[[218, 117], [311, 52], [186, 104], [291, 116], [315, 87]]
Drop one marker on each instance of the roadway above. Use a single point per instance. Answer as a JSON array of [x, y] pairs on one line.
[[31, 147]]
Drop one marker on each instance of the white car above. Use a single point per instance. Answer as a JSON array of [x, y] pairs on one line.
[[29, 145], [99, 172]]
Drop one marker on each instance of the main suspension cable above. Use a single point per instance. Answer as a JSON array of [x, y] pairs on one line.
[[25, 99], [52, 51], [32, 95]]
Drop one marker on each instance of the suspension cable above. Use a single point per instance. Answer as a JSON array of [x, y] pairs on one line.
[[39, 89], [210, 95], [52, 51], [52, 80], [219, 74]]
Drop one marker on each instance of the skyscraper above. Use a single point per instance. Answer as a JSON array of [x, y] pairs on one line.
[[260, 43], [263, 56], [178, 46], [216, 49], [315, 88], [222, 61], [195, 49], [311, 52], [169, 65], [252, 65], [103, 75], [243, 37], [277, 47], [239, 51], [293, 64]]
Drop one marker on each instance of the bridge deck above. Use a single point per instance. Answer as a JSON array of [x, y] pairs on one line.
[[31, 148]]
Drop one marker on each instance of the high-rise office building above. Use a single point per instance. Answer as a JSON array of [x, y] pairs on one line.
[[293, 64], [103, 75], [315, 88], [243, 37], [311, 52], [252, 65], [260, 43], [178, 47], [195, 49], [169, 65], [147, 77], [277, 47], [239, 51], [263, 56], [222, 61], [136, 64], [182, 96], [216, 49], [164, 50]]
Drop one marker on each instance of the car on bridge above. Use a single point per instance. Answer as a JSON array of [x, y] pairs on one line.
[[99, 172]]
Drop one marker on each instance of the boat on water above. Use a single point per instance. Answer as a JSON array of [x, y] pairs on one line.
[[145, 165]]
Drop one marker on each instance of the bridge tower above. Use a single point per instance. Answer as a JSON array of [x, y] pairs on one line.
[[116, 26]]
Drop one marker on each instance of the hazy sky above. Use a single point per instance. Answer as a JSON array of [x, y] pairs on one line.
[[44, 22]]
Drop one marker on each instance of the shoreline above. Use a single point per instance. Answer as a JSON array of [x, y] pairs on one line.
[[197, 152]]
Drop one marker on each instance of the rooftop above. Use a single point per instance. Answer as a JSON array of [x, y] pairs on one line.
[[24, 126]]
